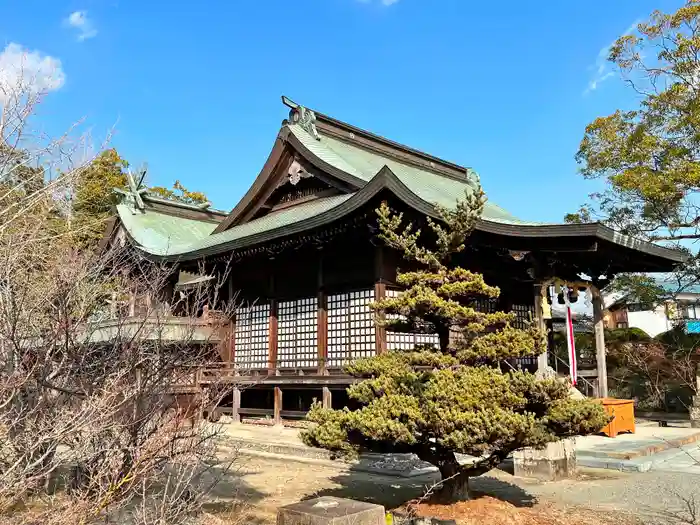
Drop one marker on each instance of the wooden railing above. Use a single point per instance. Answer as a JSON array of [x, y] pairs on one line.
[[210, 327]]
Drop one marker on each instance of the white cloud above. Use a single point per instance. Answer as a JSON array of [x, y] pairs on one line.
[[80, 21], [602, 68], [390, 2], [28, 72]]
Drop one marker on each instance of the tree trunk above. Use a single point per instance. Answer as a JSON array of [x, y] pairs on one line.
[[443, 333], [455, 484]]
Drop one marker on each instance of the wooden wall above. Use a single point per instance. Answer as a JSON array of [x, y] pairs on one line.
[[305, 310]]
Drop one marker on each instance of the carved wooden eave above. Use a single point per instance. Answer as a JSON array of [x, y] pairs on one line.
[[286, 153], [288, 149]]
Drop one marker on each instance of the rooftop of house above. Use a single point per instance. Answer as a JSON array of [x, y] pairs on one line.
[[672, 286]]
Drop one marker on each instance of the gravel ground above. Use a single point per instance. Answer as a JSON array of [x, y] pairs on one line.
[[654, 497]]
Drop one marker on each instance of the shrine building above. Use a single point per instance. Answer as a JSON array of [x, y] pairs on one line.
[[305, 260]]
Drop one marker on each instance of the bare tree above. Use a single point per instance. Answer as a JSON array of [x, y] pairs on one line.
[[99, 381], [655, 369]]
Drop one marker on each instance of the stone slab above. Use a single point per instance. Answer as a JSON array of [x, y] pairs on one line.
[[328, 510], [554, 462]]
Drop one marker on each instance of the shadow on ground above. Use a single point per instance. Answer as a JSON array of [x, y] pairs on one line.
[[392, 492], [232, 497]]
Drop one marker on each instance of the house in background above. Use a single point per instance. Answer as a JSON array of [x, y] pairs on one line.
[[683, 309]]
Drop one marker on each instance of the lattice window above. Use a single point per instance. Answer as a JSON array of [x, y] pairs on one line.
[[252, 337], [486, 305], [297, 329], [403, 341], [338, 329], [525, 315], [363, 340], [351, 330]]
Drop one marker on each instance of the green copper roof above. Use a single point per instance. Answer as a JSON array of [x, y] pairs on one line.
[[272, 221], [166, 234], [161, 234], [364, 165]]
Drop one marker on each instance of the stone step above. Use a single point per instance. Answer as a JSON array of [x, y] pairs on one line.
[[637, 464]]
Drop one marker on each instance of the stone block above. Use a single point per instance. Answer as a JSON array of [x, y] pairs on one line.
[[695, 412], [328, 510], [555, 461]]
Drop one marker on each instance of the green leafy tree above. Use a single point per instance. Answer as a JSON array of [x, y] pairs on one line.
[[649, 157], [179, 193], [460, 397], [94, 196]]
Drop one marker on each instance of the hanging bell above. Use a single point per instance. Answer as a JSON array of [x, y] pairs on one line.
[[573, 295]]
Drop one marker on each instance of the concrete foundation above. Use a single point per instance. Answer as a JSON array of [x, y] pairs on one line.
[[328, 510], [555, 461]]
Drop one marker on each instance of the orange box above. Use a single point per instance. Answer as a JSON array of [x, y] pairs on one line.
[[623, 412]]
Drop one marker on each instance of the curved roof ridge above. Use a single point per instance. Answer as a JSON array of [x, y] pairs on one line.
[[183, 205], [335, 126]]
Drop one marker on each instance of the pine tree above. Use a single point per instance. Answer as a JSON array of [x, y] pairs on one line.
[[462, 396], [95, 198]]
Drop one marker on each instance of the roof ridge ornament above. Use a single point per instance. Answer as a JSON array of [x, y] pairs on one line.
[[135, 190], [304, 117], [295, 173], [473, 177]]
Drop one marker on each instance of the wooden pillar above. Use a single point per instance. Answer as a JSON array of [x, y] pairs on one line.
[[327, 397], [232, 327], [322, 319], [232, 343], [132, 304], [379, 293], [113, 306], [272, 339], [599, 327], [235, 415], [272, 359], [226, 336], [278, 406], [542, 359]]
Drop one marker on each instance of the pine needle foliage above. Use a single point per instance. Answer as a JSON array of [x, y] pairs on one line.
[[461, 396]]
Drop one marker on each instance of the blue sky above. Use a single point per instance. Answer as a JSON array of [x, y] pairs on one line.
[[194, 88]]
